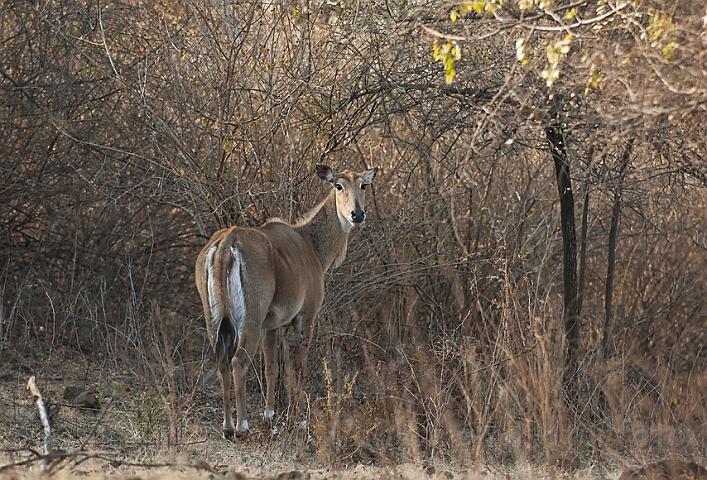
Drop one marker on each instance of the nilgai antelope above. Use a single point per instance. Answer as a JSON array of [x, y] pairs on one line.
[[252, 281]]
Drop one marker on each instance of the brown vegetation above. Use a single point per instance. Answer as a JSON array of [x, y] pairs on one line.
[[132, 131], [666, 470]]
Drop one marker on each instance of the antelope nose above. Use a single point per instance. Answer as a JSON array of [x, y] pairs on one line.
[[358, 216]]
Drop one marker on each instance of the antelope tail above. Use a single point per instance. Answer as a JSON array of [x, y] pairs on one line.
[[226, 297]]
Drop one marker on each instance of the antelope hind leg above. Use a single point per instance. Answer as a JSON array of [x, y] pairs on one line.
[[242, 360], [224, 376]]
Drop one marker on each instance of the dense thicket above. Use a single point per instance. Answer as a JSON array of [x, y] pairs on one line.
[[131, 131]]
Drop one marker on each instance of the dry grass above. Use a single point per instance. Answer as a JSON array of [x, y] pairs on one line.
[[438, 413], [489, 405], [453, 404]]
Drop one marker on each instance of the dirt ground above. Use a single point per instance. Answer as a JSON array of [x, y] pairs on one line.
[[239, 472]]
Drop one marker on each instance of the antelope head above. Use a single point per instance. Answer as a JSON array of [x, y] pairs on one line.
[[350, 193]]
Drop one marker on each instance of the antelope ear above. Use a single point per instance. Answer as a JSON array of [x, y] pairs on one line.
[[369, 175], [325, 172]]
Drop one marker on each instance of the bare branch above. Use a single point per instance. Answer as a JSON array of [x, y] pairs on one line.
[[44, 417]]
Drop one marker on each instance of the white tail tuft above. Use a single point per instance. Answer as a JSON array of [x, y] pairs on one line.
[[235, 292], [216, 313]]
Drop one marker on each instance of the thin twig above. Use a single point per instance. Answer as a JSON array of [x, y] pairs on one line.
[[98, 421]]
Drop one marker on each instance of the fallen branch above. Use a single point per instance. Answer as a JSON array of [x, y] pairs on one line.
[[54, 457], [58, 456]]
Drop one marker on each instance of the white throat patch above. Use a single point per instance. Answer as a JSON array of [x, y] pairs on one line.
[[346, 225]]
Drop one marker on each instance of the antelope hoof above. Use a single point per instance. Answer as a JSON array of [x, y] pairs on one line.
[[242, 430], [228, 430]]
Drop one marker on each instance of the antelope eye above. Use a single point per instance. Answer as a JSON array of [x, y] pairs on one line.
[[338, 186], [363, 186]]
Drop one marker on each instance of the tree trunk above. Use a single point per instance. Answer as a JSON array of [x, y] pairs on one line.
[[613, 239], [583, 253], [556, 140], [583, 239]]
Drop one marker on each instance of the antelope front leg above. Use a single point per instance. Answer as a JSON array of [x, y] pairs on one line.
[[271, 371], [300, 348]]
